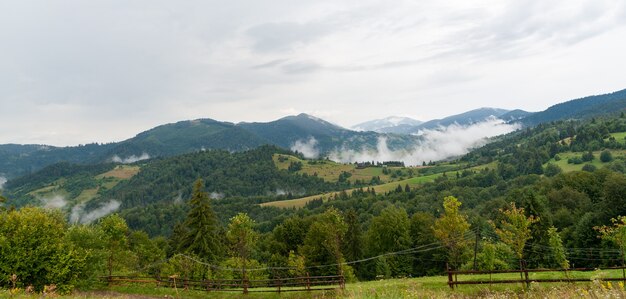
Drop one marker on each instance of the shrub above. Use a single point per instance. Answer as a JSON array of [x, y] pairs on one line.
[[589, 168], [588, 156], [606, 156]]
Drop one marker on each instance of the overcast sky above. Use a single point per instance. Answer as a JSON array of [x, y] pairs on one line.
[[98, 71]]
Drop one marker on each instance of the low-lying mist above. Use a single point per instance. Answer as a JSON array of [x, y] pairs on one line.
[[3, 181], [131, 159], [437, 144], [308, 148], [79, 215], [53, 202]]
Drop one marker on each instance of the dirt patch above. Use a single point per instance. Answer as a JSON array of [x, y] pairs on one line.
[[122, 172]]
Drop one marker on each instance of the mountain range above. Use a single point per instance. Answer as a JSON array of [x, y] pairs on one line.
[[304, 133], [406, 125], [392, 124]]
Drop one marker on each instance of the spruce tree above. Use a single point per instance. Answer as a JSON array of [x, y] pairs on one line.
[[202, 235]]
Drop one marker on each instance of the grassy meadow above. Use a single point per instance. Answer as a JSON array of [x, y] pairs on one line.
[[330, 171], [566, 167], [422, 287], [414, 182]]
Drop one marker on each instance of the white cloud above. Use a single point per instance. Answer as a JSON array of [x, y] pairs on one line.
[[308, 148], [216, 195], [3, 181], [78, 214], [131, 159], [438, 144], [54, 202]]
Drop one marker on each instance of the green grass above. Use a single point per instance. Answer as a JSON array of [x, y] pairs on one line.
[[566, 167], [86, 195], [122, 172], [620, 137], [329, 171], [422, 287], [301, 202]]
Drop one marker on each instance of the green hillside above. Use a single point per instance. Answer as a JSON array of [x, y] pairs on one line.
[[583, 108], [66, 185], [296, 216], [382, 188]]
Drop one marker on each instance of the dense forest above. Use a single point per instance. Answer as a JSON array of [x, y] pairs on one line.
[[552, 196]]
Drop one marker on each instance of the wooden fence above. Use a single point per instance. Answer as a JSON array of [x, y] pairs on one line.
[[291, 284], [525, 277]]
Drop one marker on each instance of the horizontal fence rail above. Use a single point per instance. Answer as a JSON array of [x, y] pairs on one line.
[[525, 277], [288, 284]]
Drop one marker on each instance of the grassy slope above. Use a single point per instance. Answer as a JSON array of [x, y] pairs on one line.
[[301, 202], [620, 137], [106, 180], [617, 154], [330, 171], [422, 287]]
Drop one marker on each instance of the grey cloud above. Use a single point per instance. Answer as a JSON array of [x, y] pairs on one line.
[[84, 71], [271, 37], [270, 64], [526, 27], [301, 67], [378, 66]]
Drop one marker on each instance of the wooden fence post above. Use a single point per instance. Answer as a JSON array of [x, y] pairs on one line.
[[450, 282], [342, 282], [308, 282], [526, 274], [245, 282]]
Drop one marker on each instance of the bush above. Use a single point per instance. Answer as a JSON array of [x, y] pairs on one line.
[[552, 170], [589, 168], [606, 156], [575, 160], [588, 156]]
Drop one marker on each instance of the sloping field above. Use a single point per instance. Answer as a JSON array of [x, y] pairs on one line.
[[330, 171], [620, 137], [420, 287], [566, 167], [123, 172], [301, 202]]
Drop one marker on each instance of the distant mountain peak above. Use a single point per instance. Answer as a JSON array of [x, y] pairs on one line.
[[390, 124]]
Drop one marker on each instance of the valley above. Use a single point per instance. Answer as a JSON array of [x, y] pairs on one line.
[[187, 211]]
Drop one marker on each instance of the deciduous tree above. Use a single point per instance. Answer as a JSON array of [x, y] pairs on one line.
[[514, 229], [450, 229]]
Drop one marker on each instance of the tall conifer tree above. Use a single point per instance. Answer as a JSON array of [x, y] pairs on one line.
[[202, 236]]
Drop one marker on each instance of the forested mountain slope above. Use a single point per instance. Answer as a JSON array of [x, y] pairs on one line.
[[583, 108]]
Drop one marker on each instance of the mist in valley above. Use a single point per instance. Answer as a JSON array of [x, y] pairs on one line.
[[437, 144]]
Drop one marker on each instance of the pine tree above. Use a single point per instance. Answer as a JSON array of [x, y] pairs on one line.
[[202, 235]]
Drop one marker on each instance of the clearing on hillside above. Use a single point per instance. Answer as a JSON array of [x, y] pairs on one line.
[[330, 171], [301, 202], [123, 172], [568, 167]]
